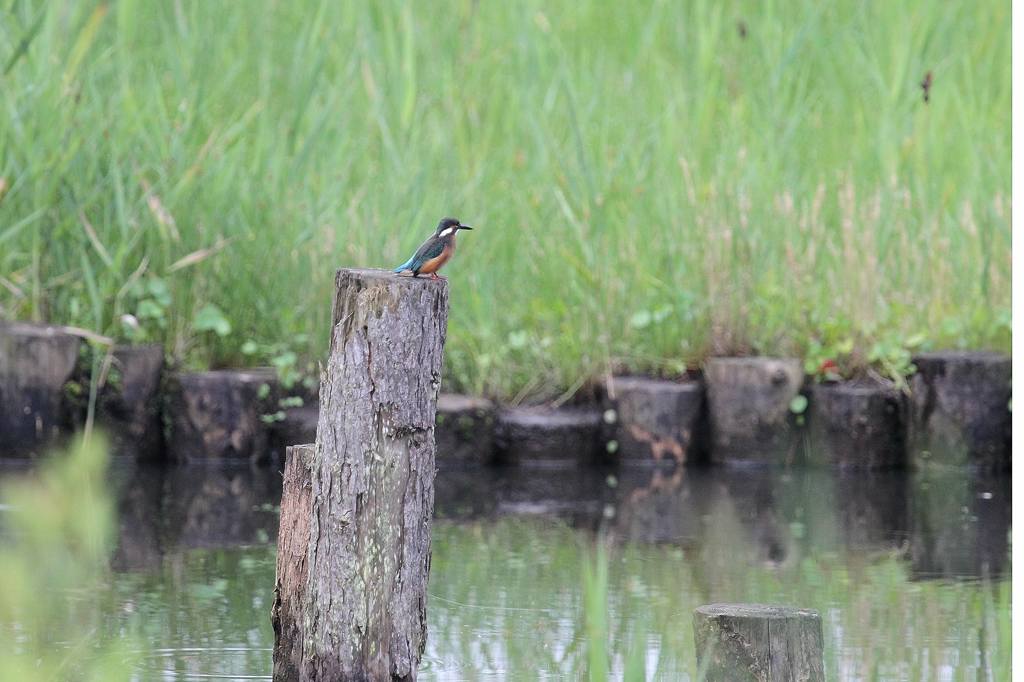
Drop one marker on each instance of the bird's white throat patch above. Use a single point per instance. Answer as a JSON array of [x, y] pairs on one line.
[[447, 231]]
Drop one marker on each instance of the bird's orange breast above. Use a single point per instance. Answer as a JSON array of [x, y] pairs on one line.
[[434, 264]]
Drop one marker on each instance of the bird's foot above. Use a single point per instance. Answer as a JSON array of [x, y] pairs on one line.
[[434, 275]]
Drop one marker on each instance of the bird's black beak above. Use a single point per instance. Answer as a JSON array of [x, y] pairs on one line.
[[465, 227]]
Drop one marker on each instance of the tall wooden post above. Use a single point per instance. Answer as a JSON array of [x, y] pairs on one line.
[[362, 600], [757, 643]]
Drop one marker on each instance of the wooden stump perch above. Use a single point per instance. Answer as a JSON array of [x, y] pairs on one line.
[[292, 573], [362, 600], [757, 643]]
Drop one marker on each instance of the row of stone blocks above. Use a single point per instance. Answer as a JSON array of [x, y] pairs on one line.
[[147, 412], [759, 411], [740, 411]]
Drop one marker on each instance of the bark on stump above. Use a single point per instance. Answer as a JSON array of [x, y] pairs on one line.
[[749, 409], [660, 422], [362, 606], [857, 426], [960, 409], [36, 361], [219, 414], [292, 572], [757, 643], [129, 403]]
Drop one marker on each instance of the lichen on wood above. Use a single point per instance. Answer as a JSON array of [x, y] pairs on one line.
[[372, 480]]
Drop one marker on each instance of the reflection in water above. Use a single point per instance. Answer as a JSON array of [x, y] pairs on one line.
[[951, 524], [874, 552], [873, 510], [164, 510], [960, 525]]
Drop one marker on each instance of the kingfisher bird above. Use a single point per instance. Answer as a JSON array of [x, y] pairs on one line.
[[436, 251]]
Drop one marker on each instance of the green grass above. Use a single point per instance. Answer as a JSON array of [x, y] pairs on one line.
[[648, 185]]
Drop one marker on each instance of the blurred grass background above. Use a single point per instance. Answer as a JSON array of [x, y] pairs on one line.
[[57, 530], [651, 182]]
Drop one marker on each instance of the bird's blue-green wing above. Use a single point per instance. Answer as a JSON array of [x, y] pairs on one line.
[[431, 248]]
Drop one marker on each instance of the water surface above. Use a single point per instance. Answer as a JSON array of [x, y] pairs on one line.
[[910, 572]]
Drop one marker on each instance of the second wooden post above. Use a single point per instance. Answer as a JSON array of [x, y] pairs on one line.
[[758, 643], [361, 598]]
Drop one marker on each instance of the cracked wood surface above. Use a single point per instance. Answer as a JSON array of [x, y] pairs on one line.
[[372, 480], [292, 573], [758, 643]]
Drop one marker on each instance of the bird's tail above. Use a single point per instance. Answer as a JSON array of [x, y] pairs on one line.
[[405, 266]]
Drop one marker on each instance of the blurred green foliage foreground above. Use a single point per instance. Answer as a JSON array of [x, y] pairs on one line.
[[56, 536], [651, 182]]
